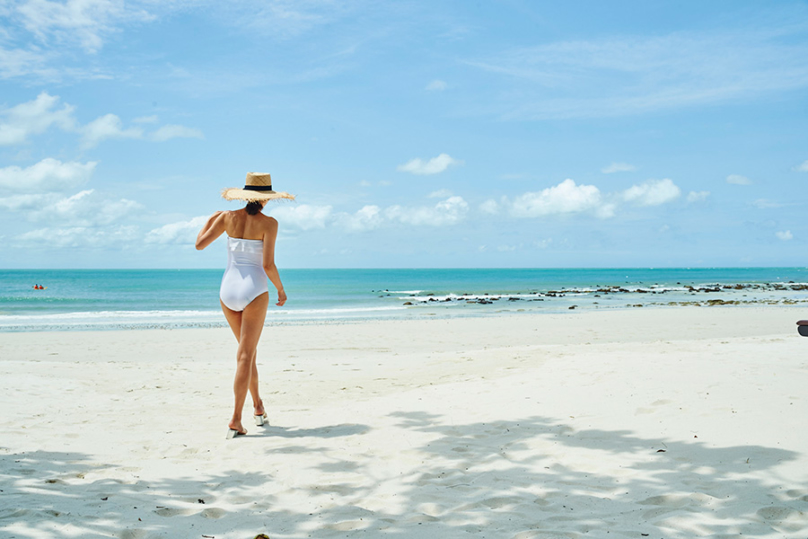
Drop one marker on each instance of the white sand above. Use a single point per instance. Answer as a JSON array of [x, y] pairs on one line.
[[505, 427]]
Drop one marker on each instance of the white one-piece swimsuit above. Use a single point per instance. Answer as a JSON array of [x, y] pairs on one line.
[[245, 278]]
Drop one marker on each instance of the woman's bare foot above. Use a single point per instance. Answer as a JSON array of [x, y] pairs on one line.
[[237, 426], [258, 408]]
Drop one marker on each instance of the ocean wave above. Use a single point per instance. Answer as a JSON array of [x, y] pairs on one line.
[[187, 318], [105, 315]]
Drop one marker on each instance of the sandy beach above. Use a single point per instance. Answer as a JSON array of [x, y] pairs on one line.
[[659, 423]]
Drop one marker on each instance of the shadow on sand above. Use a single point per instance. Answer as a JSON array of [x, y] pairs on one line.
[[488, 479]]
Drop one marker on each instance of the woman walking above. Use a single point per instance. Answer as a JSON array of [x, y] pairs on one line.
[[244, 294]]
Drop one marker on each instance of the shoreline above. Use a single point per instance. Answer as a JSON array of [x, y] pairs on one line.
[[408, 312], [669, 422]]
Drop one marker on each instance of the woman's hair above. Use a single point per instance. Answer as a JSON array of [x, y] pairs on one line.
[[253, 207]]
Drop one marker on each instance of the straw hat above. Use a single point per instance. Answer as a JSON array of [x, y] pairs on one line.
[[257, 187]]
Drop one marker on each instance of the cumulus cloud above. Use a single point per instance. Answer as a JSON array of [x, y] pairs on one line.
[[28, 202], [168, 132], [697, 196], [367, 218], [737, 179], [106, 127], [436, 86], [490, 206], [47, 175], [33, 118], [803, 167], [564, 198], [448, 212], [86, 209], [618, 167], [303, 216], [652, 193], [440, 193], [79, 237], [180, 233], [785, 235], [20, 122], [435, 165]]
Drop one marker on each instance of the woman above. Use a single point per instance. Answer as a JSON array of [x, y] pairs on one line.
[[244, 293]]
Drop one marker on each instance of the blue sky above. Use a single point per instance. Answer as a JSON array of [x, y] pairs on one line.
[[414, 134]]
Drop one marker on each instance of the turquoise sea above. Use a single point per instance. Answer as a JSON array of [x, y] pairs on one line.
[[111, 299]]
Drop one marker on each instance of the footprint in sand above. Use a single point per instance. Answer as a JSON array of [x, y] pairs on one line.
[[776, 513], [499, 502], [666, 500], [431, 509], [543, 534], [132, 534], [172, 512], [665, 504], [213, 512], [347, 525]]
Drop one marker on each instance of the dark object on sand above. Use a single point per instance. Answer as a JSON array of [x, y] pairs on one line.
[[802, 327]]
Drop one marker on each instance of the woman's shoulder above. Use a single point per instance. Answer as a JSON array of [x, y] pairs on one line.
[[268, 220]]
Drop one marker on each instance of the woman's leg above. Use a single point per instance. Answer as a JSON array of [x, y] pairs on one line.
[[249, 329], [234, 320], [258, 404]]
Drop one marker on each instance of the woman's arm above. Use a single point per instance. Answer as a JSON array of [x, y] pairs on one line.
[[270, 234], [213, 228]]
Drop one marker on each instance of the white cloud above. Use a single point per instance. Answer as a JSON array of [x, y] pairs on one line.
[[440, 193], [106, 127], [785, 235], [171, 131], [47, 175], [79, 237], [737, 179], [180, 233], [33, 118], [542, 244], [564, 198], [87, 209], [490, 206], [448, 212], [28, 202], [652, 193], [765, 204], [606, 211], [803, 167], [85, 22], [618, 167], [697, 196], [303, 216], [435, 165], [366, 218], [436, 86], [19, 62]]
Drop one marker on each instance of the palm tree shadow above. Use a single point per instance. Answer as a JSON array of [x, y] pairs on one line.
[[334, 431]]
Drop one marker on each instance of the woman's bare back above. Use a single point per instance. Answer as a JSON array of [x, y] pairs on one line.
[[240, 224]]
